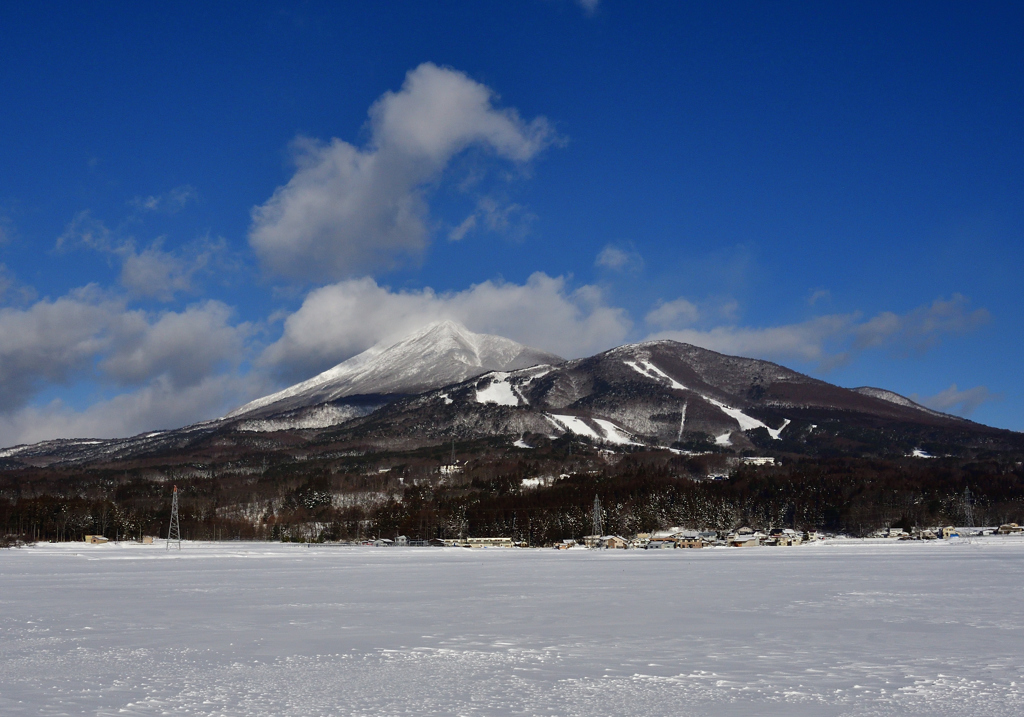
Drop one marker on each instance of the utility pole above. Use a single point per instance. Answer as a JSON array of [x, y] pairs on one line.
[[174, 530]]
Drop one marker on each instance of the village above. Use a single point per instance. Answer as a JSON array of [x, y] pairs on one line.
[[668, 539]]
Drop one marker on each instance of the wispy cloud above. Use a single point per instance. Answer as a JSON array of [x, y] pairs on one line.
[[150, 272], [169, 203], [833, 340], [953, 400], [506, 218], [619, 259]]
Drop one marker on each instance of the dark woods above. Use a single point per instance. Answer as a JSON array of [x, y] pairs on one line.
[[537, 497]]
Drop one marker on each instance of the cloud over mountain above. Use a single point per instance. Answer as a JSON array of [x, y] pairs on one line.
[[342, 319], [832, 340]]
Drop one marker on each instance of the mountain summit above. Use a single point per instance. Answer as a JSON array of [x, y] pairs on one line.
[[440, 354]]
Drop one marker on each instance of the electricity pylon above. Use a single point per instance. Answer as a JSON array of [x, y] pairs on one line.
[[174, 530], [596, 516], [968, 511]]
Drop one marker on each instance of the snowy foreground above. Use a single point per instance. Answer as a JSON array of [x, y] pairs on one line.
[[848, 628]]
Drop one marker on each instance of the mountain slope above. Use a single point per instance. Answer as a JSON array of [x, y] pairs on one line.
[[447, 383], [440, 354], [655, 393]]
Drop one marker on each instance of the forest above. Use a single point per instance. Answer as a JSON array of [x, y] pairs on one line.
[[537, 497]]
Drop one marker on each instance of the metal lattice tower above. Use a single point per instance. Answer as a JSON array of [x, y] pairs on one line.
[[968, 511], [174, 530], [596, 517]]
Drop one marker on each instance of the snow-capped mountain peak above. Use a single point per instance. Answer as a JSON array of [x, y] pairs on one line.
[[439, 354]]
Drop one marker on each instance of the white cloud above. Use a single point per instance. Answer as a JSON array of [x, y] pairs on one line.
[[832, 340], [953, 400], [158, 274], [349, 210], [673, 313], [337, 321], [617, 259], [589, 6], [184, 347], [90, 334], [157, 405]]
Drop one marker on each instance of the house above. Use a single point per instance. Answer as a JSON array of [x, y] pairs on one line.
[[96, 539], [950, 532], [613, 542], [660, 543], [592, 541], [488, 542], [1010, 529], [401, 540], [744, 538], [784, 537], [146, 540], [689, 542], [383, 543]]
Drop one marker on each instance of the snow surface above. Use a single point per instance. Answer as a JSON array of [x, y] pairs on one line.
[[849, 628], [498, 391], [646, 368], [614, 434], [315, 417], [576, 425]]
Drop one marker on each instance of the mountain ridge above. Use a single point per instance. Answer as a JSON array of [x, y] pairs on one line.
[[444, 382]]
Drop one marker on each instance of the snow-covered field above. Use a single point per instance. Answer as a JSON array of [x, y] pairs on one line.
[[849, 628]]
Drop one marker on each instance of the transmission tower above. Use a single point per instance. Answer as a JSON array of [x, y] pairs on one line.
[[596, 516], [968, 512], [174, 530]]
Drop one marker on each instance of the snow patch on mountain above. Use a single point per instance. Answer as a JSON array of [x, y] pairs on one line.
[[649, 370], [776, 433], [614, 434], [317, 417], [610, 433], [499, 391], [574, 424]]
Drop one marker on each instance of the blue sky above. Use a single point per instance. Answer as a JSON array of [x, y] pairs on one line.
[[201, 204]]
